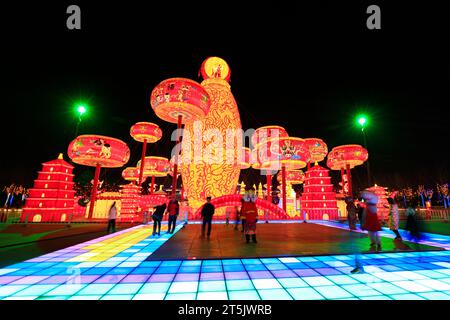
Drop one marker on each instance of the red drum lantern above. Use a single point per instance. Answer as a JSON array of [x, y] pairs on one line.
[[130, 174], [179, 100], [155, 167], [289, 153], [98, 151], [145, 132], [347, 157], [317, 148], [265, 133]]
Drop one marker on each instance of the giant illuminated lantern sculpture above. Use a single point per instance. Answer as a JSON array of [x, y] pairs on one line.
[[179, 100], [145, 132], [210, 166], [98, 151], [52, 197], [347, 157]]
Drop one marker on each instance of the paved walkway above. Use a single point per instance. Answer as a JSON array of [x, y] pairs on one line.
[[114, 267]]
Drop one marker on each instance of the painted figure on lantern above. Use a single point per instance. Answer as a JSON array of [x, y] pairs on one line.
[[212, 173]]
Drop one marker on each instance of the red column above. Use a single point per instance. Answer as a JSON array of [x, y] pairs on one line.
[[342, 180], [309, 165], [349, 180], [175, 165], [152, 185], [269, 188], [141, 169], [94, 191], [283, 181]]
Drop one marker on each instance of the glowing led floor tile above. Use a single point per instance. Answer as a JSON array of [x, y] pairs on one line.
[[181, 287], [408, 296], [317, 281], [149, 296], [360, 290], [212, 295], [412, 286], [244, 295], [274, 294], [181, 296], [211, 286], [305, 294], [333, 292], [266, 284], [434, 295], [387, 288], [35, 290]]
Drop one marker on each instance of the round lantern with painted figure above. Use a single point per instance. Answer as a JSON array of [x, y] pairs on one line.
[[131, 174], [98, 151], [317, 148]]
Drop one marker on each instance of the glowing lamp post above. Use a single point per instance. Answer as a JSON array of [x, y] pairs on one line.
[[145, 132], [81, 110], [179, 100], [347, 157], [362, 121], [289, 153], [317, 148], [98, 151], [154, 167]]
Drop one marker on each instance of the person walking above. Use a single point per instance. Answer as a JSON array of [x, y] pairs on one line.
[[207, 215], [393, 217], [157, 217], [112, 215], [238, 218], [360, 212], [351, 213], [371, 222], [173, 209], [250, 212]]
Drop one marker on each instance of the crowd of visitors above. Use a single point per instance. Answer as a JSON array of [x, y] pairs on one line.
[[13, 197]]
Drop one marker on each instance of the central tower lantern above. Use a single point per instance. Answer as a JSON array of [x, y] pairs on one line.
[[213, 166]]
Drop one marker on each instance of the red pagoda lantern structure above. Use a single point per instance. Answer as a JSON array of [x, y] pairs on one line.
[[289, 153], [155, 167], [347, 157], [130, 195], [318, 198], [145, 132], [179, 100], [52, 197], [98, 151]]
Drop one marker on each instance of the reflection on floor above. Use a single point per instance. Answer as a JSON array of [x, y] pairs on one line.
[[114, 267]]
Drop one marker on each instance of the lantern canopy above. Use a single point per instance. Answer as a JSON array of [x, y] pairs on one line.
[[180, 97], [290, 152], [94, 150], [146, 131], [351, 155], [262, 134], [130, 174], [317, 148], [292, 176], [155, 166]]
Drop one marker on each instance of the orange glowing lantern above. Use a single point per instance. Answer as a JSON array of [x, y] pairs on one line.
[[145, 132], [180, 100], [317, 148], [262, 134], [98, 151], [131, 174], [289, 153], [214, 173], [154, 167], [347, 157], [292, 176]]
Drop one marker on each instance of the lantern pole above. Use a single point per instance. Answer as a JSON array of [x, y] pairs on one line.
[[94, 190], [175, 165], [152, 185], [269, 188], [342, 181], [283, 180], [141, 169], [349, 181], [309, 165]]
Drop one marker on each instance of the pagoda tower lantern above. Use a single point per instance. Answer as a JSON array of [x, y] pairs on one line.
[[52, 197]]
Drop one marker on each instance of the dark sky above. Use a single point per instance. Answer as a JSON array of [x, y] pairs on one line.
[[307, 67]]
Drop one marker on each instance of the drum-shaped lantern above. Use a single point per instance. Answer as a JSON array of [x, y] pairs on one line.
[[350, 155], [146, 131], [317, 148], [130, 174], [155, 166]]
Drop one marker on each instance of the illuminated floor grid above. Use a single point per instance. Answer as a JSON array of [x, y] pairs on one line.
[[114, 267]]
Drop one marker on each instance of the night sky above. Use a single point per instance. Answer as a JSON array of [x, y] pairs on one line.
[[309, 68]]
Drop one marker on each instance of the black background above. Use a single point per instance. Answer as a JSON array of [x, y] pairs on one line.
[[307, 66]]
